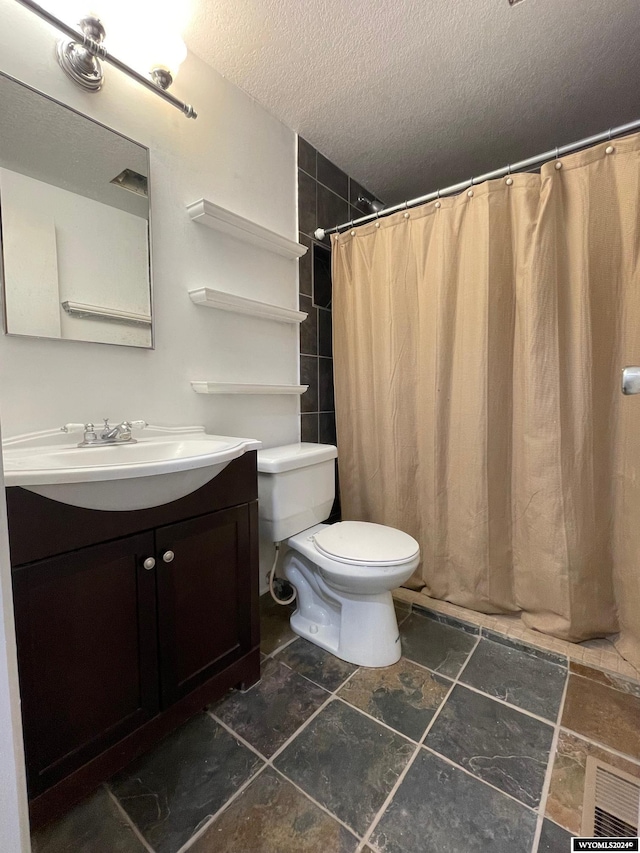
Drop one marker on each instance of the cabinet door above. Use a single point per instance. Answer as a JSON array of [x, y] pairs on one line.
[[87, 653], [204, 598]]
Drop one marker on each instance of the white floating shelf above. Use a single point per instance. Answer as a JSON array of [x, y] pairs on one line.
[[97, 312], [204, 387], [240, 305], [213, 216]]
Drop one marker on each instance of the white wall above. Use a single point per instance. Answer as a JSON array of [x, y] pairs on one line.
[[237, 155]]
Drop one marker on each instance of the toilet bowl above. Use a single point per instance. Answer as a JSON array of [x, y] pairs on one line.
[[343, 573]]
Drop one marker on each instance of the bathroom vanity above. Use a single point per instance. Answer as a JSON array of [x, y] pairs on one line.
[[127, 624]]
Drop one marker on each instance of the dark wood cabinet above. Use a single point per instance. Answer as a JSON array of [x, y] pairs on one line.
[[203, 616], [153, 615], [86, 629]]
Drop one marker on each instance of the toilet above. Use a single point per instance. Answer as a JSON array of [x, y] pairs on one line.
[[343, 573]]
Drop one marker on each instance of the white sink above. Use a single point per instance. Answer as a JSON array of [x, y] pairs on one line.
[[163, 465]]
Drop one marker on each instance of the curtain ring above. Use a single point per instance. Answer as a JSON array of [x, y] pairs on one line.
[[557, 152], [406, 205], [609, 134]]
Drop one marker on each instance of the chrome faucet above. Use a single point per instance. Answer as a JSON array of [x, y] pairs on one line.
[[117, 434], [120, 434]]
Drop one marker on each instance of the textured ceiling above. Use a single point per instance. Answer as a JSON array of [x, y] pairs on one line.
[[411, 95]]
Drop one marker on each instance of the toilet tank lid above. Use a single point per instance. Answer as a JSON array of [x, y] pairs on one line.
[[275, 460]]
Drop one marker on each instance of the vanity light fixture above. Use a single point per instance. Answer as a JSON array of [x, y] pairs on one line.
[[82, 53]]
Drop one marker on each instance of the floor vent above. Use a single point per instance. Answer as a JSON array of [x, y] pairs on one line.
[[611, 802]]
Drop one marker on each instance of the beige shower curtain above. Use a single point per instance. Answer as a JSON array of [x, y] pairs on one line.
[[478, 345]]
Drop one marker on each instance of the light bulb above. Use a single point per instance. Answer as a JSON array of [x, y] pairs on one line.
[[144, 37]]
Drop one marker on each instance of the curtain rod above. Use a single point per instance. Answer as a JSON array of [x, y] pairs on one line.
[[321, 233]]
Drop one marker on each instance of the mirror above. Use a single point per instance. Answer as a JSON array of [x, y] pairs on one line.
[[74, 230]]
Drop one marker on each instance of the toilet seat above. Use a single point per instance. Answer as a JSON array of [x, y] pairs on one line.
[[362, 543]]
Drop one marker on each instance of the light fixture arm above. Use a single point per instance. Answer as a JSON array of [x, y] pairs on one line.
[[80, 57]]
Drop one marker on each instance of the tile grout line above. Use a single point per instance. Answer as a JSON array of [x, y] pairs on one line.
[[316, 803], [201, 830], [536, 642], [546, 786], [389, 798], [269, 763], [380, 722], [128, 819], [630, 758], [281, 648], [317, 683], [611, 674], [482, 692], [524, 711], [236, 736], [506, 794]]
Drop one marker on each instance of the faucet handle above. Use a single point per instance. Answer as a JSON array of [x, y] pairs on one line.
[[73, 428], [138, 424]]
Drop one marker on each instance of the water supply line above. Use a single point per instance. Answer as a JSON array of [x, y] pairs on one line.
[[272, 575]]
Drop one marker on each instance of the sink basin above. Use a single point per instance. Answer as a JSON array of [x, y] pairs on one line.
[[163, 465]]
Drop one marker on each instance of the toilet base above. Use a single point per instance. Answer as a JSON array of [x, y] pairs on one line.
[[360, 629]]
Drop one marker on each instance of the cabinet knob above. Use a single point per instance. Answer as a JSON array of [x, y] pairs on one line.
[[168, 556], [149, 563]]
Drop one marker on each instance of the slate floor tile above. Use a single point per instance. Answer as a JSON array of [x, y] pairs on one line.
[[553, 839], [522, 679], [607, 678], [603, 713], [275, 630], [404, 696], [494, 742], [566, 792], [171, 790], [93, 826], [314, 663], [271, 816], [346, 762], [440, 809], [441, 647], [271, 711]]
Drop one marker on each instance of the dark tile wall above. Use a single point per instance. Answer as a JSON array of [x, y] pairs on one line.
[[326, 197]]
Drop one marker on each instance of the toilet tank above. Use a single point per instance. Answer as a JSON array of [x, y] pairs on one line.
[[296, 488]]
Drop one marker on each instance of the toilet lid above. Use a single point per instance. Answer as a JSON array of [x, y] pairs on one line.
[[363, 543]]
